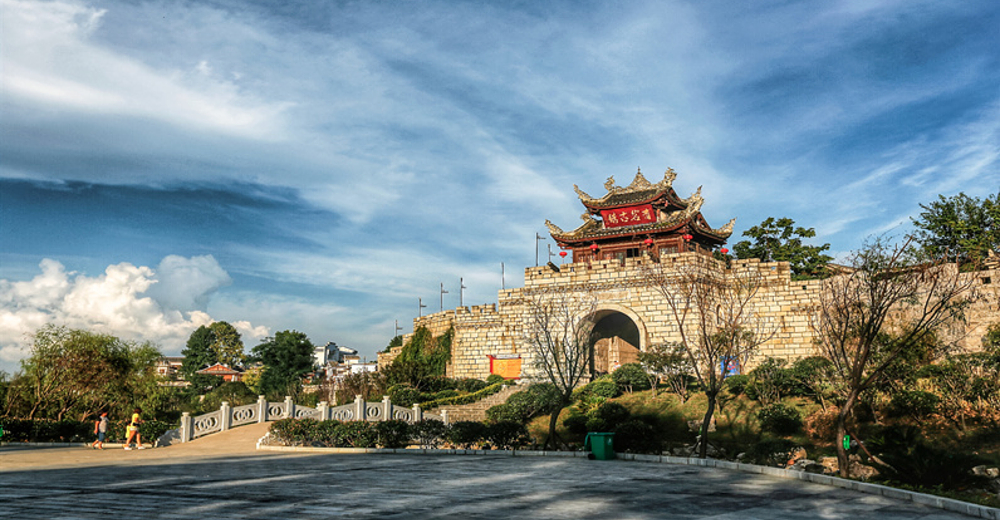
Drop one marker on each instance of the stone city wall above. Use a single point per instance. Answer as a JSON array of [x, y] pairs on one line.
[[785, 305]]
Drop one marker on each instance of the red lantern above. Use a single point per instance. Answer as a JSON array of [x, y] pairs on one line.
[[593, 247], [724, 251], [648, 241], [688, 237], [562, 254]]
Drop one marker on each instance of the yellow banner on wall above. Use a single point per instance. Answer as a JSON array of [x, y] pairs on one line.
[[508, 366]]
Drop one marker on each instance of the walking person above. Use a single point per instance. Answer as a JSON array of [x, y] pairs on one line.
[[133, 431], [101, 430]]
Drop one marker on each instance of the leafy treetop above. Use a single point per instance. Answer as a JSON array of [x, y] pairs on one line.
[[778, 240], [960, 228], [287, 357]]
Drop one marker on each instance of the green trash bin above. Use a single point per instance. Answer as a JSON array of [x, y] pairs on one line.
[[601, 445]]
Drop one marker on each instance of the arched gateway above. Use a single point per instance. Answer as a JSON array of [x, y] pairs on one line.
[[626, 234], [617, 337], [640, 222]]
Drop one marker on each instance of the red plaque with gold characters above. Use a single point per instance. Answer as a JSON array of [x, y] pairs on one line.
[[506, 365], [628, 216]]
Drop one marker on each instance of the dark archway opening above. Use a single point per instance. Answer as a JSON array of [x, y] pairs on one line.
[[614, 342]]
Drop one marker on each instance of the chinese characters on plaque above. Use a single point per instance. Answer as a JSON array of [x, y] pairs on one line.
[[629, 216], [506, 365]]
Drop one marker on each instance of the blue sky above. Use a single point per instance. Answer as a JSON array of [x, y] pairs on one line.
[[319, 166]]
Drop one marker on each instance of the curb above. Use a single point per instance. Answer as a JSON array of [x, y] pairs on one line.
[[947, 504], [107, 445]]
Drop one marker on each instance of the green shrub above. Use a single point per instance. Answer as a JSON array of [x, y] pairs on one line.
[[439, 384], [907, 458], [537, 399], [429, 433], [445, 394], [404, 395], [293, 432], [326, 434], [809, 376], [630, 377], [608, 417], [913, 403], [576, 424], [495, 378], [779, 419], [737, 384], [770, 381], [59, 431], [769, 452], [505, 412], [507, 435], [392, 434], [463, 399], [358, 434], [16, 430], [465, 434], [637, 436], [603, 387], [472, 385]]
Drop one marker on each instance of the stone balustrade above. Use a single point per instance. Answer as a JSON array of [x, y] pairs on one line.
[[227, 417]]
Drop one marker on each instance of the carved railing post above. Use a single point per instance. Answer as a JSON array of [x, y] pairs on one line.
[[225, 415], [289, 407], [261, 409], [386, 408], [324, 410], [359, 408], [187, 427], [418, 414]]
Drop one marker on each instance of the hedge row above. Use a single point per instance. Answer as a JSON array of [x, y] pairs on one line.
[[463, 399], [40, 430], [398, 434]]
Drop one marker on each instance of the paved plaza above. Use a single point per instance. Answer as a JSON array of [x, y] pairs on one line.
[[226, 478]]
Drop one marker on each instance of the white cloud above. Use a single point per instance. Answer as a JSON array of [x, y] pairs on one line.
[[119, 302], [187, 283]]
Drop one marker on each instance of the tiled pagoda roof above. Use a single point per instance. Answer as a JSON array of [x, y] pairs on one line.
[[641, 191]]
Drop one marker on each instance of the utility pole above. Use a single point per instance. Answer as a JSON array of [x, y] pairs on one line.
[[420, 307], [538, 238], [443, 292], [461, 292], [502, 274], [396, 328]]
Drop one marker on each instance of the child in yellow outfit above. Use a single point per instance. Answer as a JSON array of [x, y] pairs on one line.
[[133, 431]]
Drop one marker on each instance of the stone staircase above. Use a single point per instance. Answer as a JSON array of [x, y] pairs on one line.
[[477, 411]]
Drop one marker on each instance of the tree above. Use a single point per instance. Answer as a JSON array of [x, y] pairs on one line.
[[396, 341], [198, 354], [226, 344], [889, 302], [780, 241], [216, 343], [287, 357], [558, 335], [960, 229], [717, 320], [73, 372], [670, 362], [423, 357]]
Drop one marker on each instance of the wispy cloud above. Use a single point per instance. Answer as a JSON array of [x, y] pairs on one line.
[[340, 160]]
